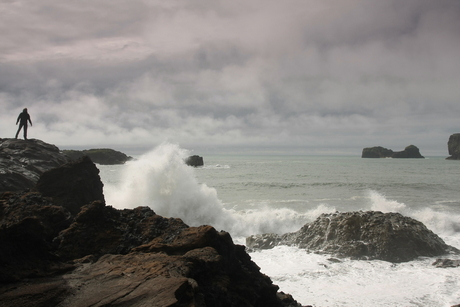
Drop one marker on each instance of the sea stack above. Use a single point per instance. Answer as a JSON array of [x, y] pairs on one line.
[[453, 146]]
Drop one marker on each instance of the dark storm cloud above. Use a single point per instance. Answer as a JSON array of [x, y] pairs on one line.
[[316, 75]]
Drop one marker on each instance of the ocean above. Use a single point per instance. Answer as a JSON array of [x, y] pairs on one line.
[[253, 194]]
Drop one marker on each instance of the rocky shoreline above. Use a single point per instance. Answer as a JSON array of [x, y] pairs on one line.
[[63, 246]]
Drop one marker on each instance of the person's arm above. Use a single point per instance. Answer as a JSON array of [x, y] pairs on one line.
[[30, 121], [19, 117]]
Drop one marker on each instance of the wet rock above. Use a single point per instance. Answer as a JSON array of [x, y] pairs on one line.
[[365, 235], [446, 263], [103, 156], [23, 161]]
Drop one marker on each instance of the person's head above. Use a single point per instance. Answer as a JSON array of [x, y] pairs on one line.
[[25, 110]]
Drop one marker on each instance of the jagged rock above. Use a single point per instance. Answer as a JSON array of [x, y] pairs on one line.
[[23, 161], [194, 161], [72, 185], [410, 151], [103, 156], [108, 257], [453, 145], [364, 235]]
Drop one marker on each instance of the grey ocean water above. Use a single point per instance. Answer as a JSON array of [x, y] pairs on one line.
[[254, 193]]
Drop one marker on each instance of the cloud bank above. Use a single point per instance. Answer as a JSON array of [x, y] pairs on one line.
[[303, 76]]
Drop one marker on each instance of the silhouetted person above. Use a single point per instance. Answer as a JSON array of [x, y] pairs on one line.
[[22, 120]]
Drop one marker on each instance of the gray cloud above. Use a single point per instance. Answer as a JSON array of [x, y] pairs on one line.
[[314, 76]]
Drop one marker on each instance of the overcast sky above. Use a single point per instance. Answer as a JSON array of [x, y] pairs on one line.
[[299, 76]]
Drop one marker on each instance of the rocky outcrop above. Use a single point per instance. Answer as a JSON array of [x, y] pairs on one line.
[[103, 156], [194, 161], [361, 235], [410, 151], [102, 256], [72, 185], [23, 161], [453, 145]]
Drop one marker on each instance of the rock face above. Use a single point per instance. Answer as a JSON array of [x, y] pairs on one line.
[[22, 162], [72, 185], [102, 256], [362, 235], [194, 161], [453, 146], [410, 151], [104, 156]]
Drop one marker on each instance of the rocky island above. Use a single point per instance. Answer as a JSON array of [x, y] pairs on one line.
[[410, 151], [63, 246]]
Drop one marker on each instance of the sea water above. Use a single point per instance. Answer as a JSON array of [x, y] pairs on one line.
[[251, 194]]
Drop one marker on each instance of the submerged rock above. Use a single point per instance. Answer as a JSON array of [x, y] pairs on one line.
[[453, 145], [363, 235], [104, 156], [23, 161], [410, 151]]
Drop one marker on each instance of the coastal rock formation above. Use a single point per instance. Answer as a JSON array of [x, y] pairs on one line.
[[22, 162], [102, 256], [72, 185], [194, 161], [103, 156], [453, 145], [362, 235], [410, 151]]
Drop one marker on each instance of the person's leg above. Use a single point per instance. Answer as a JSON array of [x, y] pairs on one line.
[[19, 129], [25, 132]]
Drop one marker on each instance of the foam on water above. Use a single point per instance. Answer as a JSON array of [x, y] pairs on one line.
[[161, 180]]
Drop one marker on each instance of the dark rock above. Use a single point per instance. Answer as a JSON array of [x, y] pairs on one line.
[[103, 156], [72, 185], [453, 146], [446, 263], [365, 235], [194, 161], [376, 152], [410, 151], [23, 161], [108, 257]]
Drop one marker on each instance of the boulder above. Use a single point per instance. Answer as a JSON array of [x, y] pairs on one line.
[[72, 185], [453, 145], [363, 235], [194, 161], [23, 161], [410, 151], [103, 156]]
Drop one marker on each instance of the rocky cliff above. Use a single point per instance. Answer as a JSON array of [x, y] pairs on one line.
[[362, 235], [61, 245], [410, 151], [453, 145]]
